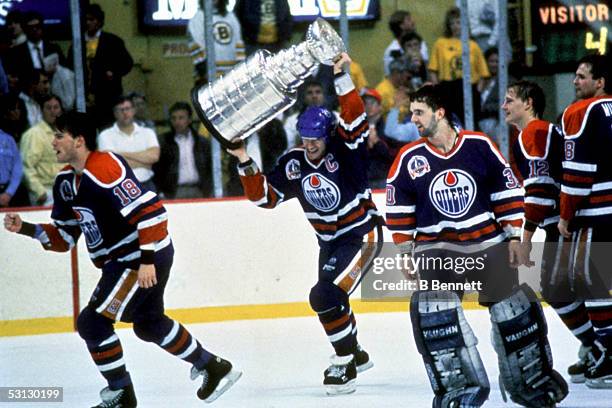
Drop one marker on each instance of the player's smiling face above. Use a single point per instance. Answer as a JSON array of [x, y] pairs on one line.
[[424, 118], [315, 148]]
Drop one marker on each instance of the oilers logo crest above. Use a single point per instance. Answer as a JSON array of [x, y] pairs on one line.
[[418, 166], [89, 226], [452, 192], [320, 192]]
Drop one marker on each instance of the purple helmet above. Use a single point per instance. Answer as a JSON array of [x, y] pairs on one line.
[[316, 123]]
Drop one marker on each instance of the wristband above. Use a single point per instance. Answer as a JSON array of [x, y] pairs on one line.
[[28, 229], [147, 257]]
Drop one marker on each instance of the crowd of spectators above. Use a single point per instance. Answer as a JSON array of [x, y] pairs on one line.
[[37, 84]]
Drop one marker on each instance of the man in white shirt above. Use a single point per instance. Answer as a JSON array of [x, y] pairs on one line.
[[184, 168], [137, 144]]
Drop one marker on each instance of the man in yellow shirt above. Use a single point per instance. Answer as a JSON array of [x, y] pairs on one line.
[[40, 164], [399, 76]]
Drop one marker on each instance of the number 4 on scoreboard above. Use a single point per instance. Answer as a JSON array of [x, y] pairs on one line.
[[600, 45]]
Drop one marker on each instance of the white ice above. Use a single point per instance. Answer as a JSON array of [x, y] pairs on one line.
[[282, 361]]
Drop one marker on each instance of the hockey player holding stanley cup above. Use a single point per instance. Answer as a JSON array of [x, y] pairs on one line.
[[452, 194]]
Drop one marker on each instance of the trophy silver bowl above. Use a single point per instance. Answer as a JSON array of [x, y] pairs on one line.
[[258, 89]]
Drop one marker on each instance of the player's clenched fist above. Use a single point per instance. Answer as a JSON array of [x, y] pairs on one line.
[[12, 222]]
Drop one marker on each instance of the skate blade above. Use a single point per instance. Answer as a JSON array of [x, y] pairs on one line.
[[343, 389], [600, 383], [364, 367], [224, 385], [577, 379]]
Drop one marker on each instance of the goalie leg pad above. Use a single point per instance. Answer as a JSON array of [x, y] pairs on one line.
[[525, 360], [448, 347]]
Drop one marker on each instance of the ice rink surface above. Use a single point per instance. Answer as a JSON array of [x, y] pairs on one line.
[[282, 360]]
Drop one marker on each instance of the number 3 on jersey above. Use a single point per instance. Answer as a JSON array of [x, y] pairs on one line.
[[127, 191]]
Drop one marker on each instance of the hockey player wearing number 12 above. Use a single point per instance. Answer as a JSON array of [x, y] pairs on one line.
[[328, 175], [453, 195], [125, 231]]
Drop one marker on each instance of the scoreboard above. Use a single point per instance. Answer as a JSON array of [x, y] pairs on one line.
[[563, 31]]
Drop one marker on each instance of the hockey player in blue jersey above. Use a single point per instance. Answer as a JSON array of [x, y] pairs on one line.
[[538, 153], [586, 206], [124, 227], [453, 196], [328, 176]]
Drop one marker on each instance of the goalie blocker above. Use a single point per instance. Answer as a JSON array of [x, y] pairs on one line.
[[455, 370]]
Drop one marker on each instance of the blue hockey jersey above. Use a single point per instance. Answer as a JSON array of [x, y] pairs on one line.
[[110, 208], [334, 192], [469, 194], [586, 191]]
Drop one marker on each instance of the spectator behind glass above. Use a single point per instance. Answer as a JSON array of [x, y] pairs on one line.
[[13, 116], [12, 191], [310, 93], [137, 144], [489, 97], [399, 76], [400, 24], [229, 47], [266, 24], [36, 52], [399, 129], [14, 26], [445, 65], [411, 44], [184, 168], [106, 61], [11, 169], [35, 86], [40, 165], [141, 110], [379, 154]]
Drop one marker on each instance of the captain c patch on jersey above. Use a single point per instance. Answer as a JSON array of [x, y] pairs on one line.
[[452, 192], [321, 192], [418, 166]]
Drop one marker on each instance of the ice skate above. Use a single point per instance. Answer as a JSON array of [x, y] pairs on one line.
[[121, 398], [576, 371], [598, 372], [218, 377], [362, 360], [340, 376]]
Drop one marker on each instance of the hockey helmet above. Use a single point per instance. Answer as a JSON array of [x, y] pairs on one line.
[[315, 122]]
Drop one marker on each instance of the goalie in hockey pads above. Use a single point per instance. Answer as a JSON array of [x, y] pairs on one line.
[[519, 336], [448, 347]]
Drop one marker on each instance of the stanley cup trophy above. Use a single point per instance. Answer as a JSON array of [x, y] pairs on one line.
[[255, 91]]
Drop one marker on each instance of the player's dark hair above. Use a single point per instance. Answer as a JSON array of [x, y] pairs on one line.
[[527, 89], [46, 98], [396, 20], [434, 97], [79, 124], [600, 68]]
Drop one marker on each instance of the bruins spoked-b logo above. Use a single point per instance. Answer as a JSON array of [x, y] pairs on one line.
[[321, 192], [452, 192]]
